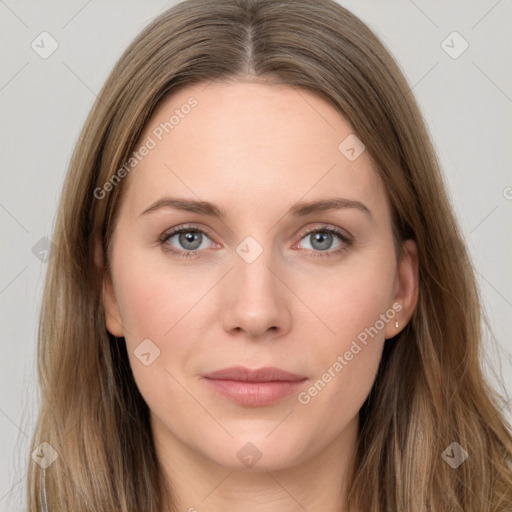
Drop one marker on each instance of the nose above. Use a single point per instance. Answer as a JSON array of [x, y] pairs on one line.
[[256, 298]]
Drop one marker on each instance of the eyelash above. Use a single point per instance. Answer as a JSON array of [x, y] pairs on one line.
[[347, 241]]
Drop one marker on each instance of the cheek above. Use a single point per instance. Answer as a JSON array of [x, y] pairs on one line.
[[148, 307], [354, 306], [154, 295], [350, 298], [167, 306], [160, 338]]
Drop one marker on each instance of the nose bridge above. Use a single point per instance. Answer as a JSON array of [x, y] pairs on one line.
[[255, 296], [254, 278]]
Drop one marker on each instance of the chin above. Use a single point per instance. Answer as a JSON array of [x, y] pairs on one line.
[[258, 453]]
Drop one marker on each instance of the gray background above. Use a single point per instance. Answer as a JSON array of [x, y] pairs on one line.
[[466, 101]]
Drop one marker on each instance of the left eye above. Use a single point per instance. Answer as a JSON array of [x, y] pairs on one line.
[[322, 239]]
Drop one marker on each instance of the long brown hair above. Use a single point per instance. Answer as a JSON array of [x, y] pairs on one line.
[[430, 390]]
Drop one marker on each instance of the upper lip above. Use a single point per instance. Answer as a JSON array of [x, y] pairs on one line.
[[267, 374]]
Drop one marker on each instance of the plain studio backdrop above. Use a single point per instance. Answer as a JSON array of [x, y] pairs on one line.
[[57, 55]]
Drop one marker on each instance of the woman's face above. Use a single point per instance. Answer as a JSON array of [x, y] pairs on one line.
[[256, 278]]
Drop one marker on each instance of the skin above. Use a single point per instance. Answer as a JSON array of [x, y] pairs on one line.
[[255, 150]]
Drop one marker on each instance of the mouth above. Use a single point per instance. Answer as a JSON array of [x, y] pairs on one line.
[[254, 388]]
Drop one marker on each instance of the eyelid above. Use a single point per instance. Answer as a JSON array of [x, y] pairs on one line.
[[325, 227], [183, 227]]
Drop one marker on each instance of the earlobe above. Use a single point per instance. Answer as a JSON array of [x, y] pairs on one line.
[[112, 315], [406, 289]]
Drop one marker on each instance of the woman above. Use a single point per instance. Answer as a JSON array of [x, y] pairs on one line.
[[260, 297]]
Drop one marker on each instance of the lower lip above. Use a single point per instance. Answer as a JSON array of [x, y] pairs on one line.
[[254, 394]]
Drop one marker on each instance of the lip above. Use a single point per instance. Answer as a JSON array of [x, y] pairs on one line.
[[243, 374], [254, 388]]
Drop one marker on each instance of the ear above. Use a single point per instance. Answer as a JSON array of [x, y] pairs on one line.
[[405, 288], [108, 298]]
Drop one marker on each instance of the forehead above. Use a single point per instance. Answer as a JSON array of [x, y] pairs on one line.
[[245, 143]]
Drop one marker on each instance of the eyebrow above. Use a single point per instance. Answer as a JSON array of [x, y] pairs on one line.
[[298, 210]]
